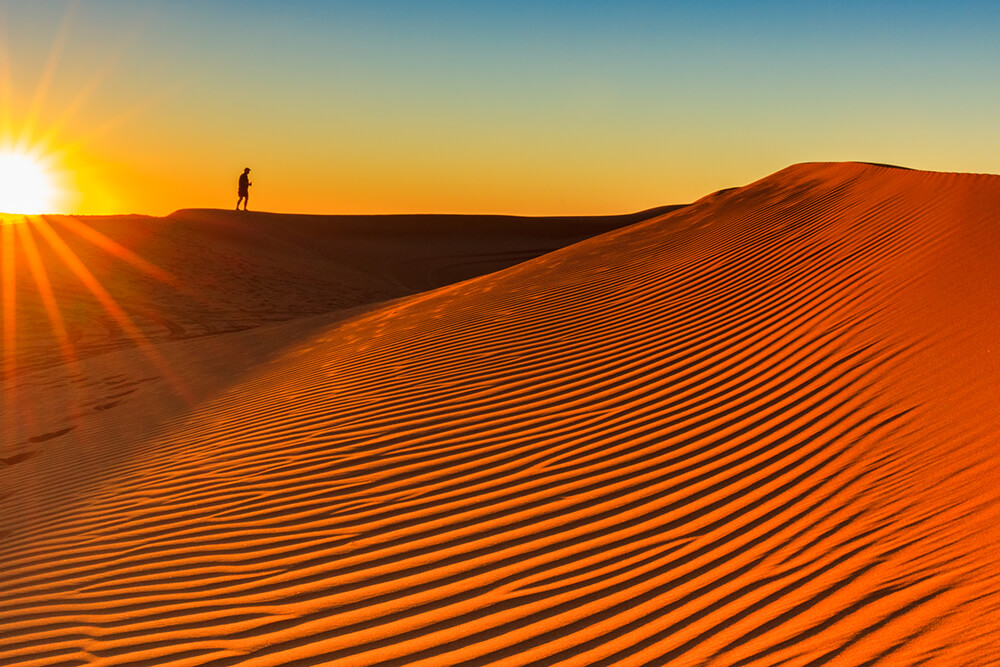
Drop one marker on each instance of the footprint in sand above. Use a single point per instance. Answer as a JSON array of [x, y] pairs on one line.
[[48, 436], [17, 458]]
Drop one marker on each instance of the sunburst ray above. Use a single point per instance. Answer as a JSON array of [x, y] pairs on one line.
[[112, 247], [5, 119], [107, 302], [45, 79], [117, 250], [47, 140], [8, 309], [41, 277]]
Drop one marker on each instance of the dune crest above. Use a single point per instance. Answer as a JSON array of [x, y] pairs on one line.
[[760, 429]]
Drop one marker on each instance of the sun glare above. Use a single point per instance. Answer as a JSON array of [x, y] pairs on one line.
[[26, 184]]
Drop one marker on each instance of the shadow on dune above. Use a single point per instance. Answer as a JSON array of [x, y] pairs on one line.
[[411, 252], [233, 271]]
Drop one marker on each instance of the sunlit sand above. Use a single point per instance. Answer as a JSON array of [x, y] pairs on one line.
[[758, 429]]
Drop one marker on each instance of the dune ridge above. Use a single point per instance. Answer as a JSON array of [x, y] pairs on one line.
[[757, 430]]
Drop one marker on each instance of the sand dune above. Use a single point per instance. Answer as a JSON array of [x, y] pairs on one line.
[[760, 429], [205, 272]]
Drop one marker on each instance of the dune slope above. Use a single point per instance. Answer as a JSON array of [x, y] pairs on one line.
[[758, 430], [205, 272]]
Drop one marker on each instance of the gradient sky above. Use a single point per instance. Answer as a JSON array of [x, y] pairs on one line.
[[541, 107]]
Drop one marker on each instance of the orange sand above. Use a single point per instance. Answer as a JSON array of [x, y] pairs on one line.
[[760, 429]]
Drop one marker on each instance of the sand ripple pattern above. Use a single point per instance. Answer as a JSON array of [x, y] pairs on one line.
[[690, 441]]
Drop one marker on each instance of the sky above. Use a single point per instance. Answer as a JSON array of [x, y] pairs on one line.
[[489, 106]]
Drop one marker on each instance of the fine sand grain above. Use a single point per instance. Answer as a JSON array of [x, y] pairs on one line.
[[757, 430]]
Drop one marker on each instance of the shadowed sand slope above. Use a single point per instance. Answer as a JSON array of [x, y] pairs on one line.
[[758, 430], [201, 272]]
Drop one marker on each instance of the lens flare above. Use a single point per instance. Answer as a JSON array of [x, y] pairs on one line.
[[27, 186]]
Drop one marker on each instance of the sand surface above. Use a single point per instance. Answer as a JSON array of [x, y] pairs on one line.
[[203, 272], [757, 430]]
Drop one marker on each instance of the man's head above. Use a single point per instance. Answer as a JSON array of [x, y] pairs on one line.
[[247, 170]]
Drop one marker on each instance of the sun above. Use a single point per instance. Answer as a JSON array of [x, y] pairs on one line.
[[27, 185]]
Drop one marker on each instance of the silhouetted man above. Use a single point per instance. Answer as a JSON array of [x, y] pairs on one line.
[[244, 190]]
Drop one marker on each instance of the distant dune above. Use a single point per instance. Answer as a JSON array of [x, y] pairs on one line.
[[760, 429], [200, 272]]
